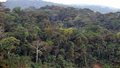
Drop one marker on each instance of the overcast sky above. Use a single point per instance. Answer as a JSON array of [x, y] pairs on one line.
[[2, 0], [108, 3]]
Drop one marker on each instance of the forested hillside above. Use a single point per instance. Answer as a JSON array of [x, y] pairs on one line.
[[58, 37]]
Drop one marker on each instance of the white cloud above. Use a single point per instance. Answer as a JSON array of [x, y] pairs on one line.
[[3, 0], [108, 3]]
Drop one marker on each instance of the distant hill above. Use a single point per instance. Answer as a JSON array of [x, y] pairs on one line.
[[102, 9], [26, 3], [39, 3]]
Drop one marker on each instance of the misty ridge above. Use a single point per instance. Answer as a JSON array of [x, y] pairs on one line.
[[40, 3]]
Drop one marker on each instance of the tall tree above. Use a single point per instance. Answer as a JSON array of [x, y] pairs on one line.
[[37, 45]]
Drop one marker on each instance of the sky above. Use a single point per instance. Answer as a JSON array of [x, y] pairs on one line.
[[107, 3], [3, 0]]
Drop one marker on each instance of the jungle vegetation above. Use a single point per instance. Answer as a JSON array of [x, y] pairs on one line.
[[58, 37]]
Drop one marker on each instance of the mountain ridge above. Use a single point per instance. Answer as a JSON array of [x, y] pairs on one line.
[[40, 3]]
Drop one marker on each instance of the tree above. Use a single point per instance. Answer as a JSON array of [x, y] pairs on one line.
[[37, 45], [21, 33], [2, 20], [17, 10], [8, 44], [70, 53]]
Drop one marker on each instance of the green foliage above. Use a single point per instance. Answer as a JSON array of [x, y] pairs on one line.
[[21, 33], [58, 37], [18, 62], [9, 43], [17, 10]]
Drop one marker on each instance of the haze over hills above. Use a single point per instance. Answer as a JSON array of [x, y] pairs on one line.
[[40, 3], [26, 3]]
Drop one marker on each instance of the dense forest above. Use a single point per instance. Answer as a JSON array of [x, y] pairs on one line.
[[58, 37]]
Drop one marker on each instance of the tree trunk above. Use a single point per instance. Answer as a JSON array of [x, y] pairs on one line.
[[37, 54]]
